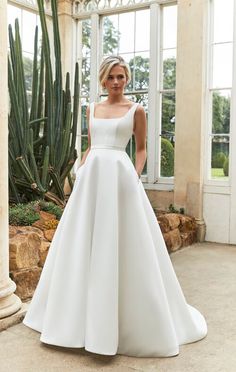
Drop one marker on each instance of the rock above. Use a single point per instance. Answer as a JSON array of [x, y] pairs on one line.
[[174, 220], [187, 223], [173, 240], [48, 234], [163, 223], [47, 216], [188, 238], [24, 250], [43, 251], [26, 281], [26, 229]]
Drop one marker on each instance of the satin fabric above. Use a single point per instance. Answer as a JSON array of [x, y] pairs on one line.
[[108, 283]]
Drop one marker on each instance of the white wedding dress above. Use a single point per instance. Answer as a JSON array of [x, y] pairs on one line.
[[108, 283]]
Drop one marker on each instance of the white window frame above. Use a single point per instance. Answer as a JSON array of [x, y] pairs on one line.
[[214, 185], [154, 92]]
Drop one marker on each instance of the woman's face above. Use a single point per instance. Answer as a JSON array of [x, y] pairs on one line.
[[116, 80]]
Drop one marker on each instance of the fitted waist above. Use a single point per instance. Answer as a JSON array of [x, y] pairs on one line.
[[107, 147]]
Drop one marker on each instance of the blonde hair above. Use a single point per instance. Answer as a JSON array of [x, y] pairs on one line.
[[107, 65]]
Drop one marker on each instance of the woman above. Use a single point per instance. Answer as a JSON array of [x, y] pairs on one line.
[[108, 283]]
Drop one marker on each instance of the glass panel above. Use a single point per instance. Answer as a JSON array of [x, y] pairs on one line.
[[86, 37], [126, 35], [167, 137], [85, 76], [169, 69], [110, 35], [223, 20], [142, 30], [141, 71], [84, 125], [221, 111], [220, 157], [222, 65], [168, 116], [12, 13], [170, 26], [29, 23]]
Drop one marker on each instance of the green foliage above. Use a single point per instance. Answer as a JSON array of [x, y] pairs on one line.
[[172, 209], [42, 129], [218, 160], [23, 214], [220, 113], [51, 208], [167, 158], [226, 167]]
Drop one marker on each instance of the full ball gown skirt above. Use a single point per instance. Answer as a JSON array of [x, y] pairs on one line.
[[108, 283]]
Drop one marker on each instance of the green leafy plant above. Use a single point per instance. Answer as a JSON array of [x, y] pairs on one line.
[[218, 160], [41, 137], [167, 158], [172, 209], [51, 208], [23, 214], [226, 167]]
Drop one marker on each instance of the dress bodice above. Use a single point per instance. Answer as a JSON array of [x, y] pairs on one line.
[[115, 132]]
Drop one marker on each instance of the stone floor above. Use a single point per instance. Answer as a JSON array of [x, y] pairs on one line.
[[207, 274]]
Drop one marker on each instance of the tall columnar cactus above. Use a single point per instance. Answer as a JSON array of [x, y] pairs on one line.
[[42, 136]]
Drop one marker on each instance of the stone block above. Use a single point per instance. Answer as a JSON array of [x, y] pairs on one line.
[[48, 234], [163, 223], [173, 219], [188, 238], [173, 240], [187, 224], [24, 250], [26, 281]]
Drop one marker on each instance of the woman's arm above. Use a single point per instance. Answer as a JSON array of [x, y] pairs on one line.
[[140, 130], [89, 139]]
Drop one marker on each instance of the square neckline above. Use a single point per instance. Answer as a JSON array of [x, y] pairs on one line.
[[119, 117]]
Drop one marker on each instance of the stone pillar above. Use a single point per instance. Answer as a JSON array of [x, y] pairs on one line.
[[9, 302], [190, 85], [66, 27]]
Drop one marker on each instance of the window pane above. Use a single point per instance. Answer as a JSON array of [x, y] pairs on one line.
[[85, 76], [86, 38], [221, 111], [170, 26], [142, 30], [12, 13], [169, 69], [222, 65], [141, 71], [220, 157], [110, 35], [167, 134], [126, 34], [223, 20], [29, 23]]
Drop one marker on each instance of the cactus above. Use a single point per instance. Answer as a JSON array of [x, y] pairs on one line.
[[41, 137]]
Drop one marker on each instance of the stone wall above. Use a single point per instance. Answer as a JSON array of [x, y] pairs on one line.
[[29, 245], [178, 230]]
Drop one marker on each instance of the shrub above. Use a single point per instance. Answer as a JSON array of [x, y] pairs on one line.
[[226, 167], [23, 214], [218, 160], [167, 158], [51, 208]]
